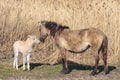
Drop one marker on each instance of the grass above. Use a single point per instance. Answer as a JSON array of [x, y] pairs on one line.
[[43, 69], [53, 72]]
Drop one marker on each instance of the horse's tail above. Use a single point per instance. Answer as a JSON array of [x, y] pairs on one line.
[[104, 45], [103, 53]]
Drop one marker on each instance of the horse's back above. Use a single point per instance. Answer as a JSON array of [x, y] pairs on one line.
[[95, 33]]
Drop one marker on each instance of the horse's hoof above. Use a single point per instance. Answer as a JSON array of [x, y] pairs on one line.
[[65, 71], [106, 72], [93, 73]]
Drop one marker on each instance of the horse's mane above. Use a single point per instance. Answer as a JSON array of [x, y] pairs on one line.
[[54, 27]]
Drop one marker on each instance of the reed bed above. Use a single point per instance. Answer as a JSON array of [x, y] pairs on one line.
[[19, 18]]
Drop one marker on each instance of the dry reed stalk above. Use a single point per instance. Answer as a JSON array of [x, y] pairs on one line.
[[18, 18]]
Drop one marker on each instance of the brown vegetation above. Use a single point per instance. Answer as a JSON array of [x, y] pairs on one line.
[[18, 18]]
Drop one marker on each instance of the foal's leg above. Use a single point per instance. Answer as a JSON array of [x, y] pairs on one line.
[[15, 62], [24, 61], [28, 61], [65, 69]]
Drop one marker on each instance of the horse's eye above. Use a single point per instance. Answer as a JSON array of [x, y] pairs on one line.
[[39, 29]]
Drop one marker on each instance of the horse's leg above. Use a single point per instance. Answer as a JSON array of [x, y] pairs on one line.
[[28, 61], [24, 60], [104, 58], [65, 69], [94, 72]]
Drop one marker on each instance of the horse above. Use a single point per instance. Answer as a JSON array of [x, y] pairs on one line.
[[76, 41], [24, 47]]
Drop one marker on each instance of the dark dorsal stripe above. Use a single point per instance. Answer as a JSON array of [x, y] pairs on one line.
[[50, 25], [54, 27]]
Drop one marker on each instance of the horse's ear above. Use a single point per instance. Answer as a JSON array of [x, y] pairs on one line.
[[57, 27], [43, 22]]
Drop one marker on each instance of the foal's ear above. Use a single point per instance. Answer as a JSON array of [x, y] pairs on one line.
[[39, 22], [29, 36]]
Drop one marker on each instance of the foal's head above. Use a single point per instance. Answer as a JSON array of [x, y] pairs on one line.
[[49, 28], [33, 39]]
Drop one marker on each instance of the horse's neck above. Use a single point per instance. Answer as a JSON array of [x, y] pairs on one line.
[[62, 31], [28, 43], [58, 33]]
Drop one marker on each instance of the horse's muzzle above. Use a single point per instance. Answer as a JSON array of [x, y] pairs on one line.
[[42, 40]]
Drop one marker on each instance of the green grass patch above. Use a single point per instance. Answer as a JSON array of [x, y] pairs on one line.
[[46, 71], [43, 70]]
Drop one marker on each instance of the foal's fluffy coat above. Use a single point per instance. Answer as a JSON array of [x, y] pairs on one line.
[[24, 47]]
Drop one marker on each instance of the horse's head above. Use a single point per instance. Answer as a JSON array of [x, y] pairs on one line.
[[44, 32], [49, 28]]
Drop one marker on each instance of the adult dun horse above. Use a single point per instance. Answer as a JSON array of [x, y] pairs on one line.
[[76, 41]]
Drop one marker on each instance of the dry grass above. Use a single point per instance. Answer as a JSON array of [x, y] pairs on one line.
[[18, 18]]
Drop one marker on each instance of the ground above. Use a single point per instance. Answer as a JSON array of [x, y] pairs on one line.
[[52, 72]]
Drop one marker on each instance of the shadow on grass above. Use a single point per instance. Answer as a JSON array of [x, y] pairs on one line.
[[33, 65], [76, 66]]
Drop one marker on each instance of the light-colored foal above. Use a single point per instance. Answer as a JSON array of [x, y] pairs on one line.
[[24, 47]]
